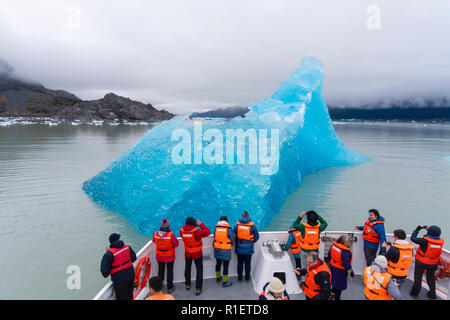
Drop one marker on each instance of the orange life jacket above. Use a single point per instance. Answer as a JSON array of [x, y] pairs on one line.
[[336, 255], [221, 240], [311, 239], [122, 259], [243, 231], [376, 284], [368, 233], [400, 268], [164, 245], [295, 247], [190, 244], [311, 288], [433, 252], [160, 297]]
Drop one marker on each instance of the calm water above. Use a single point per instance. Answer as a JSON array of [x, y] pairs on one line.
[[48, 223]]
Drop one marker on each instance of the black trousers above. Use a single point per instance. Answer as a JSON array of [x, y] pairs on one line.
[[337, 293], [124, 290], [419, 270], [199, 267], [161, 271], [370, 255], [244, 259]]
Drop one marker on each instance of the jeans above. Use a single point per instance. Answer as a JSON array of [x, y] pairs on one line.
[[247, 260], [199, 267], [161, 269]]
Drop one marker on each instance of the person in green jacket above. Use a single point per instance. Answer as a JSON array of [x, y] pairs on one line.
[[314, 223]]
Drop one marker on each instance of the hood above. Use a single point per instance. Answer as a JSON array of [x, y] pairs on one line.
[[117, 244], [188, 227]]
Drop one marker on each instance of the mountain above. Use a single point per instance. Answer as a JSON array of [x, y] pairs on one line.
[[228, 113], [25, 98]]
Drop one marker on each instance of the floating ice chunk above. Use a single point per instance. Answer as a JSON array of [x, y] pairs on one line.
[[207, 169]]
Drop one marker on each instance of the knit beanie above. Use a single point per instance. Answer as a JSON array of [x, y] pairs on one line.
[[434, 231], [245, 215], [275, 285], [114, 237], [381, 261], [165, 224]]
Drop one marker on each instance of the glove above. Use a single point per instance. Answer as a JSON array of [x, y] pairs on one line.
[[352, 274]]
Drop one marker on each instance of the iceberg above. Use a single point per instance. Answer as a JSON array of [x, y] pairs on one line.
[[447, 158], [210, 168]]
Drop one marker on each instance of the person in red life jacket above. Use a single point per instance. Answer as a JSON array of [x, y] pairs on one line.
[[399, 256], [374, 236], [165, 242], [340, 259], [317, 284], [246, 235], [192, 238], [379, 284], [274, 290], [310, 232], [223, 242], [427, 258], [118, 263], [156, 286]]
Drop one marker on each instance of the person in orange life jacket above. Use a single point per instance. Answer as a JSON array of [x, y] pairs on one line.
[[427, 258], [223, 242], [379, 284], [274, 290], [374, 236], [246, 235], [118, 262], [340, 259], [156, 286], [312, 228], [192, 238], [293, 244], [317, 284], [165, 242], [399, 256]]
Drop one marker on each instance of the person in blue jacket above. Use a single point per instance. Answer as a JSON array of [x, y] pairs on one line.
[[246, 235], [374, 236], [223, 242]]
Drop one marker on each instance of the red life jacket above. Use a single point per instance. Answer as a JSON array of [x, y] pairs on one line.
[[295, 248], [433, 252], [122, 259], [336, 255], [369, 234], [243, 231], [164, 244], [221, 240], [190, 244], [311, 288]]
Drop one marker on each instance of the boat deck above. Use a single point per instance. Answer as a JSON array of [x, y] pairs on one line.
[[244, 291]]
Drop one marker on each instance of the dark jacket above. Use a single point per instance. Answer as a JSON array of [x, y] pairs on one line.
[[422, 242], [224, 254], [107, 261], [339, 276], [245, 246]]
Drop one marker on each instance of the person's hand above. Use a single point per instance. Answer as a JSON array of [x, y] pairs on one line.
[[198, 222], [395, 282], [352, 274], [302, 214], [384, 245], [302, 285], [356, 228], [297, 271]]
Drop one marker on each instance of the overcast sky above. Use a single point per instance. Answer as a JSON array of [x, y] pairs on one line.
[[194, 55]]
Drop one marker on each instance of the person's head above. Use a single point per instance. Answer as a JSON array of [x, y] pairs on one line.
[[165, 225], [344, 240], [155, 284], [311, 217], [223, 218], [190, 221], [381, 262], [434, 231], [276, 287], [312, 259], [399, 234], [114, 237], [245, 215], [373, 214]]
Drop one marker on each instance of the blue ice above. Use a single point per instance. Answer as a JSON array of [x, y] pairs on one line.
[[184, 167]]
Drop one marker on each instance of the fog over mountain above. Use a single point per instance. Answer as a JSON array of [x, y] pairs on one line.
[[199, 55]]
